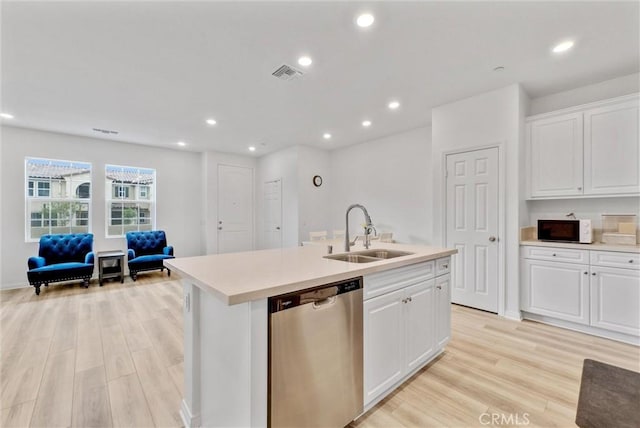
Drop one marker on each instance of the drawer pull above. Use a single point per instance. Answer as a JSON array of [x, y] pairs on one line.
[[586, 273], [631, 261], [594, 274], [439, 287], [554, 254], [446, 266]]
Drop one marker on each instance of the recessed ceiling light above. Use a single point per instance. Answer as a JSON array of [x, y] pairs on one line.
[[394, 105], [326, 136], [181, 143], [211, 122], [252, 149], [6, 116], [563, 47], [365, 20], [305, 61], [366, 123]]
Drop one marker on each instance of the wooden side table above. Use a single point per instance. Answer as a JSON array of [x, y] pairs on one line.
[[111, 265]]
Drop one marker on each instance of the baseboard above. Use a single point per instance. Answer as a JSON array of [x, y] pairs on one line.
[[188, 420], [587, 329], [14, 286], [513, 315]]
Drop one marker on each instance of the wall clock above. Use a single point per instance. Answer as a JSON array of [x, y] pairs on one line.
[[317, 180]]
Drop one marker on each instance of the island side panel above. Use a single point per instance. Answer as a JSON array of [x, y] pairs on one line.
[[190, 406], [225, 361]]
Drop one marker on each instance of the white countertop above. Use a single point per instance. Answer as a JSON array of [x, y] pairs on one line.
[[596, 246], [252, 275]]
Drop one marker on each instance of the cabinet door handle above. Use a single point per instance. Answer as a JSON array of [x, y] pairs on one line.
[[554, 254], [409, 299], [404, 300], [579, 188], [445, 266], [439, 287], [594, 274], [586, 273], [631, 261]]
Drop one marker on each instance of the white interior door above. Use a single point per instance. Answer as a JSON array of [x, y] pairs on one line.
[[472, 227], [273, 214], [235, 209]]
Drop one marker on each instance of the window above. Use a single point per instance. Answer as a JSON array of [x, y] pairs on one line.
[[57, 197], [131, 206]]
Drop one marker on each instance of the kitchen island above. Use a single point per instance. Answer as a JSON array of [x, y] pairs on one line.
[[226, 322]]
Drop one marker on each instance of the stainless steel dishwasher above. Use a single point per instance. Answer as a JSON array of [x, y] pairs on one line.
[[315, 356]]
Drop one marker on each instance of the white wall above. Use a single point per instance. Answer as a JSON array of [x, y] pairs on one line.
[[281, 165], [583, 208], [486, 119], [209, 218], [392, 177], [314, 203], [178, 192], [598, 91]]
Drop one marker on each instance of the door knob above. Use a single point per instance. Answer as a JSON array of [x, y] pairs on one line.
[[492, 239]]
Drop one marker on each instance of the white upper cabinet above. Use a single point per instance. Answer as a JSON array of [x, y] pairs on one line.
[[611, 149], [556, 156], [593, 150]]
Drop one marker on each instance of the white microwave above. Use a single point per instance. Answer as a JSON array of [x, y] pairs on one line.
[[578, 231]]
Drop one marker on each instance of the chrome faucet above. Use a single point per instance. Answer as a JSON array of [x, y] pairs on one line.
[[367, 228]]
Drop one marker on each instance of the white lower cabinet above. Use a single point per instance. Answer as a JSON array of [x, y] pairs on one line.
[[615, 299], [594, 295], [403, 330], [419, 321], [443, 310], [383, 343], [559, 290]]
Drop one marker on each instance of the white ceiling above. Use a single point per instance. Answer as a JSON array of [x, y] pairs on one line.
[[155, 71]]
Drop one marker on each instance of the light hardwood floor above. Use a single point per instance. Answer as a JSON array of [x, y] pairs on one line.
[[112, 356]]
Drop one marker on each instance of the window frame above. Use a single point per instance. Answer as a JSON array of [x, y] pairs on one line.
[[32, 193], [131, 189]]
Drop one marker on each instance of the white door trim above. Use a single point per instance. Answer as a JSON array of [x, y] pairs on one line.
[[501, 210]]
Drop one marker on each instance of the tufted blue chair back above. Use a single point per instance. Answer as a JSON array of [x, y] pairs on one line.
[[146, 243], [71, 247]]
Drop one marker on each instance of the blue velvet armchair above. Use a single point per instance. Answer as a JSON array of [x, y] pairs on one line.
[[62, 258], [146, 251]]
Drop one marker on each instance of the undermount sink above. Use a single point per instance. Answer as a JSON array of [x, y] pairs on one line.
[[368, 256], [352, 258], [383, 254]]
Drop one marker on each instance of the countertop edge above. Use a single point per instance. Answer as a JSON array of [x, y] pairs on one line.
[[234, 299], [589, 247]]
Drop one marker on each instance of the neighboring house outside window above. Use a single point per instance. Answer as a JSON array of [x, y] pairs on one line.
[[131, 203], [57, 197]]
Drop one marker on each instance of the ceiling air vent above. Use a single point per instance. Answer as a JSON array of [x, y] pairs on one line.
[[286, 72], [105, 131]]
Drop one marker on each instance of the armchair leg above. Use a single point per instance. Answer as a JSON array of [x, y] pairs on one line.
[[168, 272], [85, 283], [134, 276], [37, 289]]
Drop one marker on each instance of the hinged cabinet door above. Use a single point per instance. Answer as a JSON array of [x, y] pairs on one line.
[[384, 359], [419, 303], [559, 290], [556, 158], [615, 299], [612, 149], [443, 310]]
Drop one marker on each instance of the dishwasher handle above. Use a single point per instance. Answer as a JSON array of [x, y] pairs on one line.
[[329, 301], [321, 296]]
